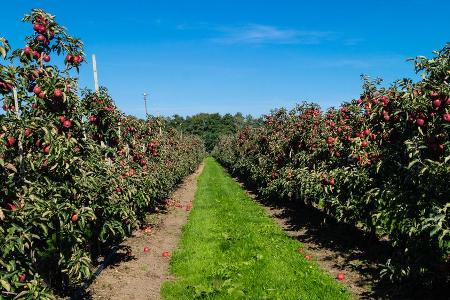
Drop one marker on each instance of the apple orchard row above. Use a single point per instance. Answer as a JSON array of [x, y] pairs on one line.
[[380, 162], [77, 175]]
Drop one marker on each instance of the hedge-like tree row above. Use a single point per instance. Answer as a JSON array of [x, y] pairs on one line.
[[381, 162], [76, 175]]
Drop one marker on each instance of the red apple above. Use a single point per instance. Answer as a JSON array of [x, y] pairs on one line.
[[146, 249], [364, 144], [10, 141], [332, 181], [46, 150], [27, 132], [67, 123], [41, 95], [62, 119], [36, 54], [57, 93], [22, 277], [40, 38], [46, 58], [420, 121], [340, 276], [166, 254], [37, 90], [446, 117], [68, 57], [92, 119], [74, 217], [437, 103], [27, 51]]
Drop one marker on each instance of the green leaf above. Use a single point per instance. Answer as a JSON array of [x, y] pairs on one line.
[[5, 285]]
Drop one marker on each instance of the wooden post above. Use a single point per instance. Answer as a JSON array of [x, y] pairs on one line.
[[145, 104], [94, 66]]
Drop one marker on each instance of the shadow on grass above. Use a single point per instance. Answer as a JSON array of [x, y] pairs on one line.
[[350, 248]]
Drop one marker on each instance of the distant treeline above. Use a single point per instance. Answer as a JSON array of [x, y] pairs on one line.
[[210, 127]]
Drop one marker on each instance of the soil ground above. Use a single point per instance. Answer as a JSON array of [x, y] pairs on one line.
[[136, 274], [334, 247]]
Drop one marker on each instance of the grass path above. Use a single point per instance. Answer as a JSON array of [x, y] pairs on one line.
[[231, 249]]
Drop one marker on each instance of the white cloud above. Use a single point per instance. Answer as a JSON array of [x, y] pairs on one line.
[[265, 34]]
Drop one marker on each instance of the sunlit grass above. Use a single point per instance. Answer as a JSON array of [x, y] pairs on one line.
[[231, 249]]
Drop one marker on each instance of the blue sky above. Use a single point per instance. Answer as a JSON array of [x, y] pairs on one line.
[[246, 56]]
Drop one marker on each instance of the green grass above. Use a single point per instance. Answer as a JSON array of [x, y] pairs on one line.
[[230, 249]]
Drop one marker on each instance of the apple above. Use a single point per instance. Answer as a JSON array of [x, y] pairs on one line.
[[308, 257], [74, 217], [12, 206], [67, 123], [57, 93], [10, 141], [340, 276], [364, 144], [62, 119], [27, 132], [46, 150], [146, 249], [68, 57], [166, 254], [40, 38], [332, 181], [36, 54], [27, 51], [437, 103], [92, 119], [37, 90], [446, 117], [22, 277], [41, 95], [386, 117], [420, 121], [34, 105], [366, 131], [46, 58]]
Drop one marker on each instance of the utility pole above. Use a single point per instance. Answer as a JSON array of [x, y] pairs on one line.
[[145, 103]]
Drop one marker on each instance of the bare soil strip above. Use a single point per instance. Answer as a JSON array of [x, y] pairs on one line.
[[333, 248], [137, 272]]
